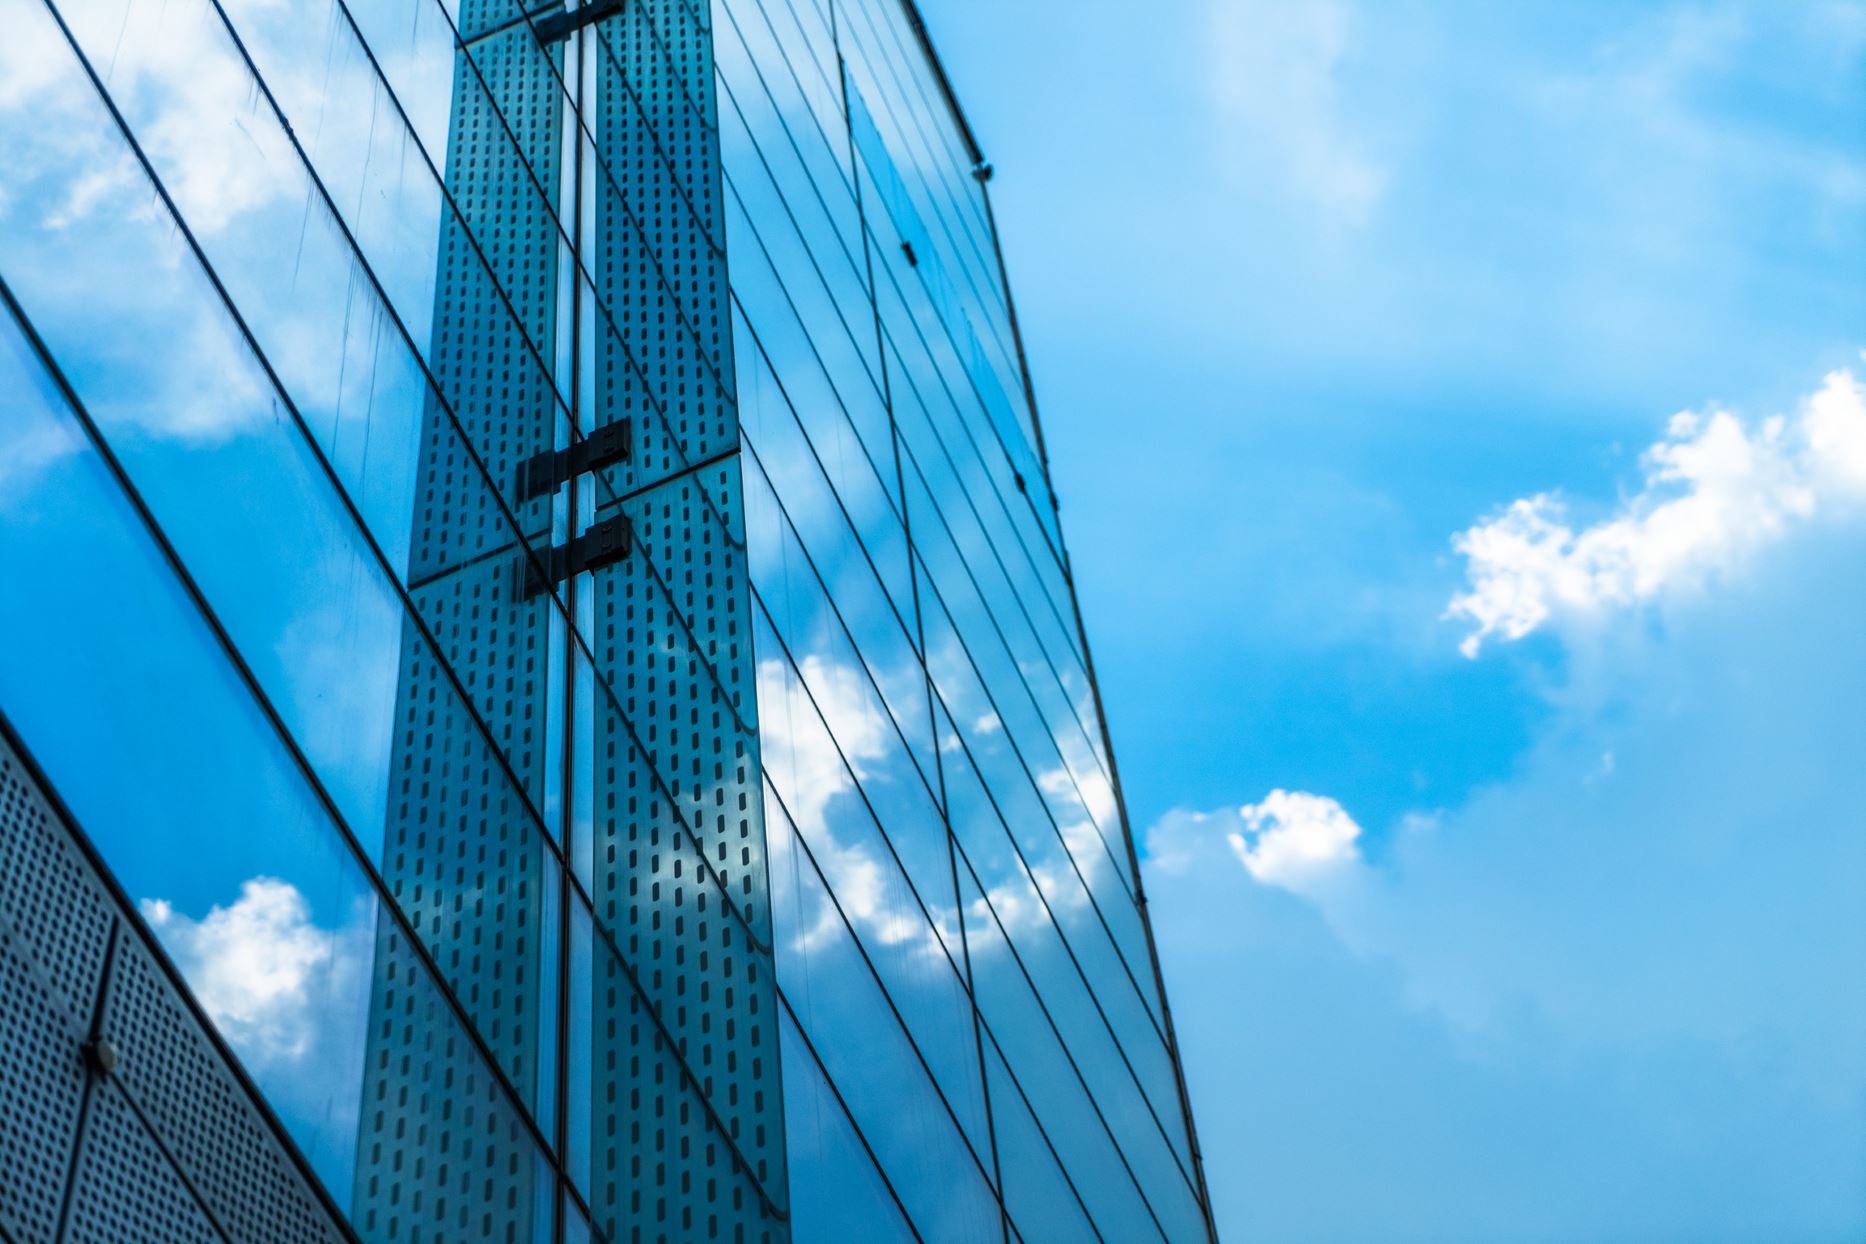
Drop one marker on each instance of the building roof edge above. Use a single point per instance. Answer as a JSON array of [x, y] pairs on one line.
[[919, 25]]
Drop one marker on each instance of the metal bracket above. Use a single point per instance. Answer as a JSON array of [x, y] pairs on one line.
[[545, 473], [603, 544], [562, 25]]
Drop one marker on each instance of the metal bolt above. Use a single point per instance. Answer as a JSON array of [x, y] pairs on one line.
[[100, 1056]]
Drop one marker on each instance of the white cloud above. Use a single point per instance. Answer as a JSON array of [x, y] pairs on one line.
[[261, 967], [1294, 839], [1717, 490], [1276, 81]]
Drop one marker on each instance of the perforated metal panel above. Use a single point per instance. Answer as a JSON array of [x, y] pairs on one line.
[[445, 1155], [41, 1090], [125, 1192], [712, 986], [46, 892], [439, 1156], [167, 1145], [673, 640], [190, 1100]]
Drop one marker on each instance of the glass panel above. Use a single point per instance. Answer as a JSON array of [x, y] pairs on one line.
[[842, 818], [311, 606], [1018, 1029], [1042, 1203], [787, 405], [1089, 902], [857, 1035], [941, 447], [837, 1192], [830, 587]]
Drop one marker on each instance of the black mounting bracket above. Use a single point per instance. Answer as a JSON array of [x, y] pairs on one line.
[[604, 543], [542, 474], [562, 25]]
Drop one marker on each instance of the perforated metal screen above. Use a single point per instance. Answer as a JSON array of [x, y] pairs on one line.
[[155, 1140]]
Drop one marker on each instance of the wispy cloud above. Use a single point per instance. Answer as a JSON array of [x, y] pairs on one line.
[[1275, 79], [1717, 490], [29, 445]]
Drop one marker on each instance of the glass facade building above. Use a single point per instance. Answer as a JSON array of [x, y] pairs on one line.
[[542, 694]]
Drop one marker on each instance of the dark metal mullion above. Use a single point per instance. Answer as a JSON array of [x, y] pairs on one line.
[[997, 555], [499, 28], [1088, 1094], [94, 1034], [181, 1172], [906, 1218], [566, 798], [1101, 716], [900, 1021], [934, 188], [417, 582], [965, 747], [615, 499], [89, 1090]]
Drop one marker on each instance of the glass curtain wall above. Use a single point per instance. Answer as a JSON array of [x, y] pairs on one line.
[[528, 550], [959, 941]]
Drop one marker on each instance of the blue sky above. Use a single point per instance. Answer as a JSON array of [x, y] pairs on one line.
[[1561, 940]]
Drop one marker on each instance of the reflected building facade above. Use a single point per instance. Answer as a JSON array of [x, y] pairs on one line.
[[573, 705]]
